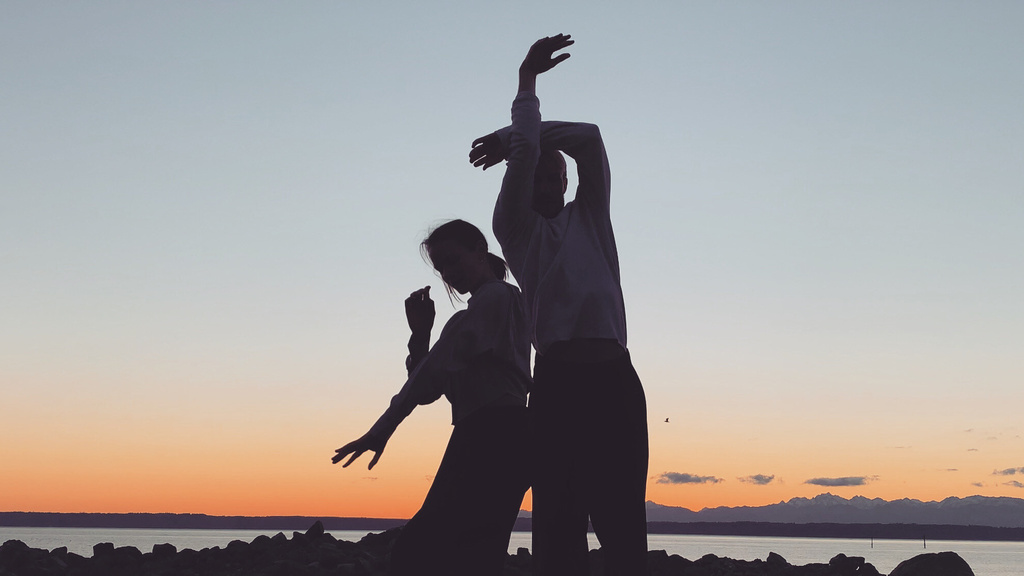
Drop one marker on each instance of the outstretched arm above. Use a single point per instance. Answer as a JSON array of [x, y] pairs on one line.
[[356, 448], [421, 388], [468, 335]]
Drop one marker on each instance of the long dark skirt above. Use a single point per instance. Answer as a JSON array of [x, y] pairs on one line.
[[463, 527]]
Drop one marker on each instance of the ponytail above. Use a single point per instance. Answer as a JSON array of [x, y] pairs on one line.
[[498, 266]]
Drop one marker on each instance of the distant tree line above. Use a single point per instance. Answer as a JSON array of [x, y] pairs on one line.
[[778, 529]]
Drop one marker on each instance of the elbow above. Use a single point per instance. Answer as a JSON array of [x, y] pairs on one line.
[[591, 131], [501, 228]]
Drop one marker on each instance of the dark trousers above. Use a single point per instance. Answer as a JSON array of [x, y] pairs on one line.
[[589, 436], [463, 527]]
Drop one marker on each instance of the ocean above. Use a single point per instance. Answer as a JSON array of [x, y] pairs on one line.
[[985, 558]]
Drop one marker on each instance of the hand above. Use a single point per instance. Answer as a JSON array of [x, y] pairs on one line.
[[538, 59], [419, 311], [357, 447], [487, 151]]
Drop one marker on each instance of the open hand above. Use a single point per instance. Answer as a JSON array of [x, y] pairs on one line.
[[419, 311], [357, 447], [539, 58], [487, 151]]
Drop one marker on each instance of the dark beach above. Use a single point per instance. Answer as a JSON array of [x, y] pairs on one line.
[[317, 553]]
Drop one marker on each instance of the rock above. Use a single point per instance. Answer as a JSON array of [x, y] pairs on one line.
[[934, 564], [659, 563], [868, 569], [262, 543], [316, 530], [596, 560], [317, 553], [237, 547], [14, 555], [161, 551], [299, 538], [521, 560], [843, 565], [381, 539], [128, 554]]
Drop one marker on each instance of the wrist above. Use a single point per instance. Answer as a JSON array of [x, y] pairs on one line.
[[527, 80]]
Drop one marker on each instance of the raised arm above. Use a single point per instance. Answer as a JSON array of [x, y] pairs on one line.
[[519, 143], [540, 59], [492, 149]]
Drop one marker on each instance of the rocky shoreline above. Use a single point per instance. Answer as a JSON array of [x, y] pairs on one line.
[[317, 553]]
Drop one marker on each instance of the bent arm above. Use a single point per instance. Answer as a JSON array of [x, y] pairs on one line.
[[419, 345], [582, 142], [419, 311]]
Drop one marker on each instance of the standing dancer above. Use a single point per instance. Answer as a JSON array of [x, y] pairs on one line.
[[481, 362], [588, 413]]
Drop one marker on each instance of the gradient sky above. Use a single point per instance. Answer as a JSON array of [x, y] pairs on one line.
[[210, 215]]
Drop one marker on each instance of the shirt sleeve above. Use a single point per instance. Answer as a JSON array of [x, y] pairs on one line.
[[513, 214], [467, 335], [419, 345]]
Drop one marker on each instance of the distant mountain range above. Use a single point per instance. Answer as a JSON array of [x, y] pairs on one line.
[[796, 517], [829, 508]]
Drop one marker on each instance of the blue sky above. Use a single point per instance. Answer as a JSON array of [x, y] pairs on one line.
[[210, 213]]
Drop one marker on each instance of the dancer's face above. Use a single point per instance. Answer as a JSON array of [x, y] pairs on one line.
[[549, 184], [462, 269]]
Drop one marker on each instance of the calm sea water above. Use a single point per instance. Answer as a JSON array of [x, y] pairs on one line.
[[985, 558]]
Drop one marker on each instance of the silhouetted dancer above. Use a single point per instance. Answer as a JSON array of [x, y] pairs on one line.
[[481, 363], [588, 413]]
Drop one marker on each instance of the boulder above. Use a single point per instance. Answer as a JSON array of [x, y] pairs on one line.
[[161, 551], [660, 563], [934, 564], [316, 530], [843, 565], [103, 549]]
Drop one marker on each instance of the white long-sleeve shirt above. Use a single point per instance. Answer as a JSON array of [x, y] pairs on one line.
[[568, 265], [481, 358]]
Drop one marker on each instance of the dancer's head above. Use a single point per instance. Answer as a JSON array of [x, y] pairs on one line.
[[549, 184], [458, 251]]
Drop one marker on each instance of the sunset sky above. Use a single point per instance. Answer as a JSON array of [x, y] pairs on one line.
[[210, 215]]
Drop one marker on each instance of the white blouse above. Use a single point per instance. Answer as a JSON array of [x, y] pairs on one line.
[[481, 358], [568, 265]]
